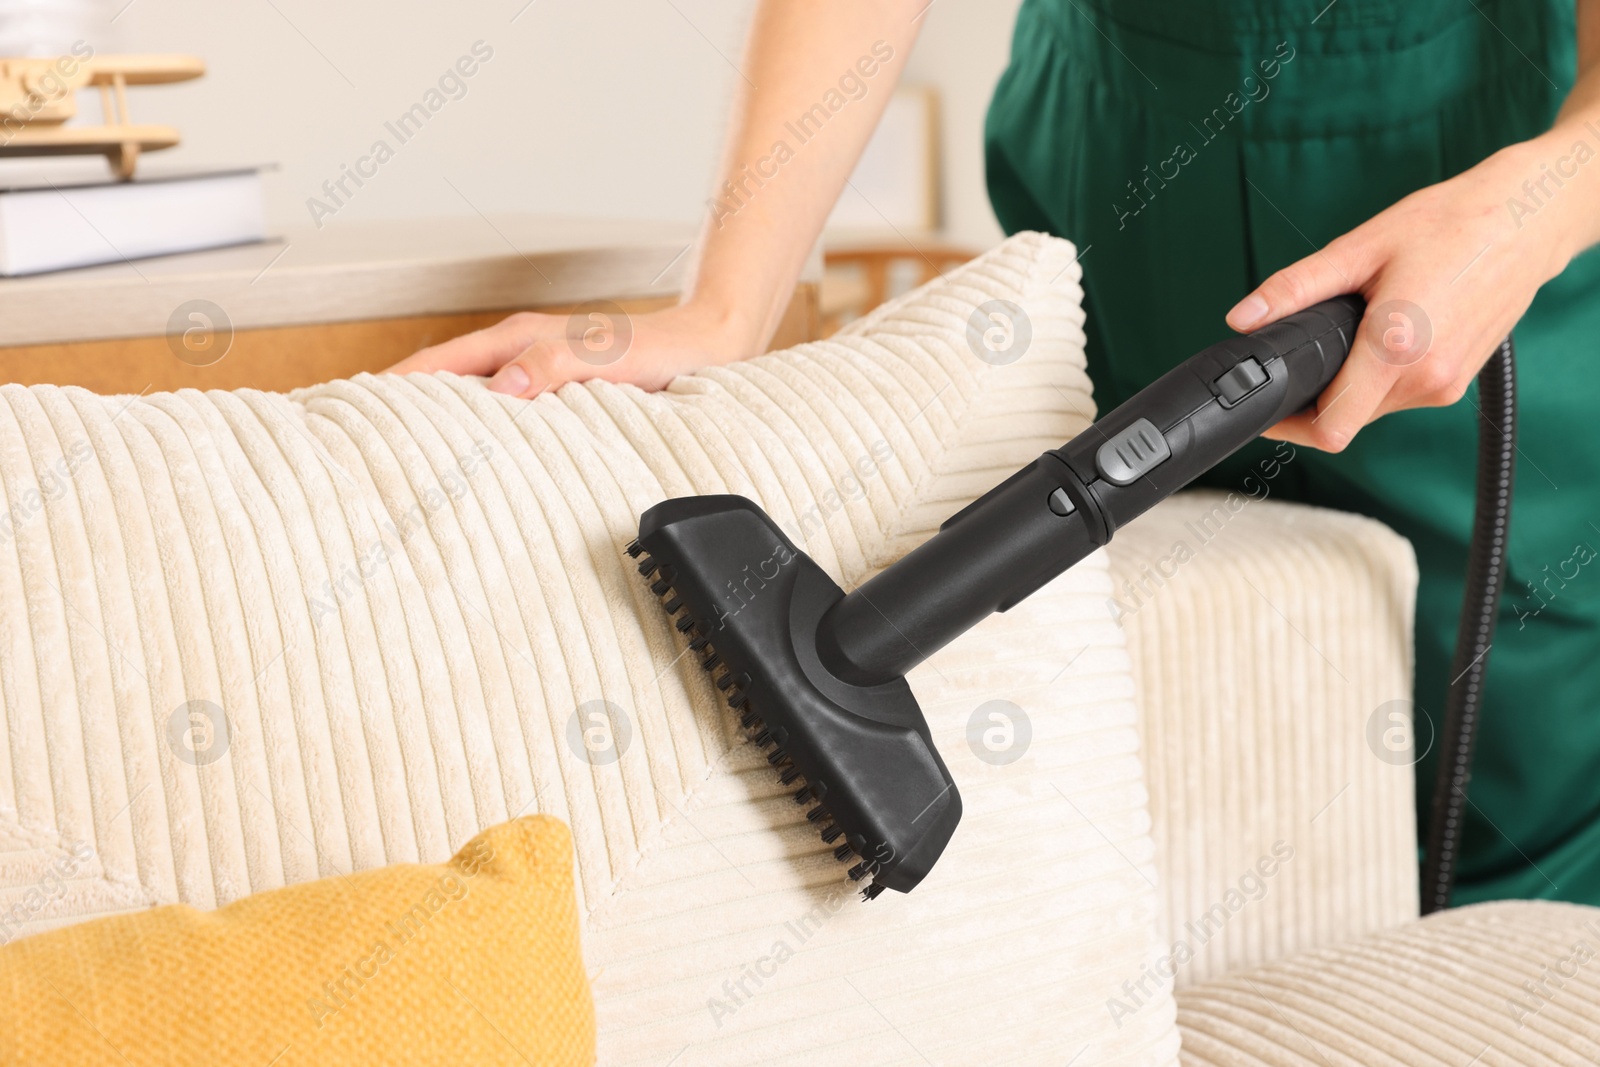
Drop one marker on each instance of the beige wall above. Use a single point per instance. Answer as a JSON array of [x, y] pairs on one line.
[[588, 107], [963, 49]]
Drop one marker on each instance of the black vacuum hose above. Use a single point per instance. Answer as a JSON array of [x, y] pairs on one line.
[[1486, 575]]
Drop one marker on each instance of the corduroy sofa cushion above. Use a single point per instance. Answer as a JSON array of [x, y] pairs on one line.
[[1271, 645], [1506, 984], [248, 640]]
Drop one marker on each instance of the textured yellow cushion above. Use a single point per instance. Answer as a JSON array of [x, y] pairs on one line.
[[471, 961]]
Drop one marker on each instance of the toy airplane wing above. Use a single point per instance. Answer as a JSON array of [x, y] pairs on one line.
[[39, 95]]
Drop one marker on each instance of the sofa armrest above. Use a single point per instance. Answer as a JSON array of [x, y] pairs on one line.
[[1268, 642]]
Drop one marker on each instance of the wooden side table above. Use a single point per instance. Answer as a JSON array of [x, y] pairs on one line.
[[327, 304]]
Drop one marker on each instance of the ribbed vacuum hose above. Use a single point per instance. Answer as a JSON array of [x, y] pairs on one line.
[[1486, 575]]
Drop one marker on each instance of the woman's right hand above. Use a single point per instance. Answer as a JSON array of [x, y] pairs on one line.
[[761, 224], [528, 352]]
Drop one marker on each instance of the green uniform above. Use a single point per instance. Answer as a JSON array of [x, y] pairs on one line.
[[1192, 147]]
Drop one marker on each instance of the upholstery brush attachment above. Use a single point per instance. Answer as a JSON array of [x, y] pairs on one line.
[[860, 757], [817, 676]]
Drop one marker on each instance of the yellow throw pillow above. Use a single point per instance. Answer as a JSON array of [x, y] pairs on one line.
[[471, 961]]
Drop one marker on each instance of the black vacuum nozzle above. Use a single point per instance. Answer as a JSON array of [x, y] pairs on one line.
[[818, 676], [861, 757]]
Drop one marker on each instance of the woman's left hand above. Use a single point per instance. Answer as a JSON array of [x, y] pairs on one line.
[[1446, 274]]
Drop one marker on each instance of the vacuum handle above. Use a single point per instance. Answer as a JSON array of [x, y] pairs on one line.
[[1029, 529], [1203, 410]]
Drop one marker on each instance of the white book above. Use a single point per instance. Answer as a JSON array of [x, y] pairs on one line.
[[54, 227]]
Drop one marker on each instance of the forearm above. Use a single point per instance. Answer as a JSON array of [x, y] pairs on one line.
[[1573, 192], [1450, 269], [817, 75]]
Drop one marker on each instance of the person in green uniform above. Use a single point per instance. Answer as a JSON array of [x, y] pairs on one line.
[[1440, 157]]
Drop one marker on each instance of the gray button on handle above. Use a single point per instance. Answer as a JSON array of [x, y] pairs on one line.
[[1245, 378], [1132, 453]]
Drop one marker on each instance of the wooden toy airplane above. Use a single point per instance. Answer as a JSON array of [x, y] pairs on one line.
[[37, 96]]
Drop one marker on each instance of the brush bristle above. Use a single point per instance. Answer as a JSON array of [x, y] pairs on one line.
[[659, 578]]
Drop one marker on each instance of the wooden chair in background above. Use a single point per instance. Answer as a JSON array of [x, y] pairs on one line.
[[857, 279]]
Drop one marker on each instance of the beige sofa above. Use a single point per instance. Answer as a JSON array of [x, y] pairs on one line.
[[1267, 668], [250, 639]]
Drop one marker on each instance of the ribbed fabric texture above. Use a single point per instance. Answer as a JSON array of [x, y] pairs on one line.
[[1498, 985], [1272, 651], [404, 597], [471, 961]]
